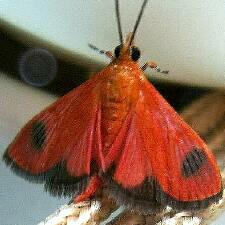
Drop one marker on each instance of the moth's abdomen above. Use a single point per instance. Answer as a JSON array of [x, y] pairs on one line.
[[119, 94], [113, 114]]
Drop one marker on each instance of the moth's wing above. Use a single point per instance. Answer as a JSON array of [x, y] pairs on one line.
[[184, 168], [163, 161], [55, 147]]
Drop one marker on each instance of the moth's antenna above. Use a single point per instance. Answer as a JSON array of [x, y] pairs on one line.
[[119, 21], [138, 21]]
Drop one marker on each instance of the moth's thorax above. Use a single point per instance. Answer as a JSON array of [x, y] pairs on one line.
[[119, 93]]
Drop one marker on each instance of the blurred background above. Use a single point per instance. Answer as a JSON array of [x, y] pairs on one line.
[[44, 54]]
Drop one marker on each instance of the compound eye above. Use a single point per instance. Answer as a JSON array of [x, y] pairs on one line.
[[117, 51], [135, 53]]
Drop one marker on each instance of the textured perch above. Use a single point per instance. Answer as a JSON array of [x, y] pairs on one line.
[[207, 116]]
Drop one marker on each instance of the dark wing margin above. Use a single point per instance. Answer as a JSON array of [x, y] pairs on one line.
[[57, 181]]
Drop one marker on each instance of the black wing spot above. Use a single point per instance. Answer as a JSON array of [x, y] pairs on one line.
[[193, 161], [38, 135]]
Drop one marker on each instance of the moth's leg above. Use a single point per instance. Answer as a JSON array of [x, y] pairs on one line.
[[153, 65], [94, 184], [106, 53]]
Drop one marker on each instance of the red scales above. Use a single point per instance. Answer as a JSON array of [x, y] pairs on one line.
[[116, 131]]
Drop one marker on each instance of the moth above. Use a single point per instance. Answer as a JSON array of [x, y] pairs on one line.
[[116, 132]]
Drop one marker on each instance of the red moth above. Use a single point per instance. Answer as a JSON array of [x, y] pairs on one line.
[[116, 131]]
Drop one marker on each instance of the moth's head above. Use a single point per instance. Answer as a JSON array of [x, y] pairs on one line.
[[127, 50]]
